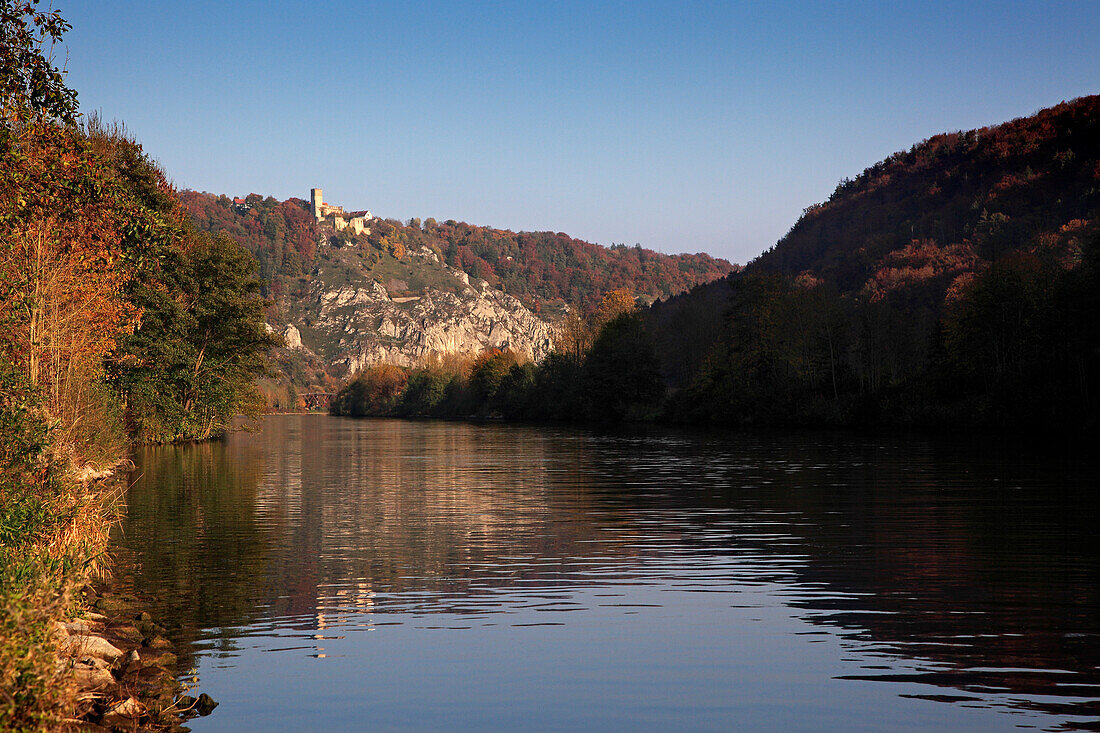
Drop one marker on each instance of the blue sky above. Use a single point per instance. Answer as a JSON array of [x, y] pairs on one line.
[[682, 126]]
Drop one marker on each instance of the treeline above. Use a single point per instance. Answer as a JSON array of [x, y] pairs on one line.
[[1018, 347], [548, 266], [118, 321], [539, 268], [281, 235]]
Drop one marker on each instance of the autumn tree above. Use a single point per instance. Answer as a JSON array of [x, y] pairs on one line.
[[66, 260], [577, 333], [374, 391]]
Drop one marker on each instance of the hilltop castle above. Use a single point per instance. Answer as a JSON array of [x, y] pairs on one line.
[[335, 215]]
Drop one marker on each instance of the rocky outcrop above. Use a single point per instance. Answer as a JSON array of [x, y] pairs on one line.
[[358, 324], [293, 337]]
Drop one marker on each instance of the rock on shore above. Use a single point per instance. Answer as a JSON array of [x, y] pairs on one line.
[[124, 668]]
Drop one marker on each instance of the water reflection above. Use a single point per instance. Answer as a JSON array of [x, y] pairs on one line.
[[964, 574]]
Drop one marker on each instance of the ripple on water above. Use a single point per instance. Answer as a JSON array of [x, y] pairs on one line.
[[486, 576]]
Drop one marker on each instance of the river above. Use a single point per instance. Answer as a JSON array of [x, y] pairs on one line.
[[338, 574]]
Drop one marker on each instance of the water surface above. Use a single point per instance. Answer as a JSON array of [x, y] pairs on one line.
[[336, 574]]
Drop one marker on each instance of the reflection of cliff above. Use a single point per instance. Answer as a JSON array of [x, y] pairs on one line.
[[391, 507]]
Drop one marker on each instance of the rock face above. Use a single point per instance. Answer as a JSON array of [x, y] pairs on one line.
[[355, 323], [293, 337]]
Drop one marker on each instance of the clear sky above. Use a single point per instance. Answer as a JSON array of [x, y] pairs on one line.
[[682, 126]]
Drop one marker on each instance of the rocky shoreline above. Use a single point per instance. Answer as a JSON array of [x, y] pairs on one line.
[[123, 666]]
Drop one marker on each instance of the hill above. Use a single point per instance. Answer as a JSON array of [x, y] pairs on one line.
[[538, 268], [953, 203], [386, 292], [953, 283]]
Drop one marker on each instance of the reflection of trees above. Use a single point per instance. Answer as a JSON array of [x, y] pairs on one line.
[[378, 508], [979, 563], [189, 507], [318, 518], [946, 559]]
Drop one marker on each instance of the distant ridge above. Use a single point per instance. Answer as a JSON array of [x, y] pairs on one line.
[[539, 268]]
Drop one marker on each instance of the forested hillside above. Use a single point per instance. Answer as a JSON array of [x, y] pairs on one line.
[[953, 285], [539, 268], [953, 202]]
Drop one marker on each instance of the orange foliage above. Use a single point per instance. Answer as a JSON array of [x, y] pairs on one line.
[[917, 262], [61, 265], [612, 305], [807, 280]]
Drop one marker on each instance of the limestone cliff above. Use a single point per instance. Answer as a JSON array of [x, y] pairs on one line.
[[352, 320]]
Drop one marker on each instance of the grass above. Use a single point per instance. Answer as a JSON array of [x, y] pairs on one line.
[[52, 538], [55, 516]]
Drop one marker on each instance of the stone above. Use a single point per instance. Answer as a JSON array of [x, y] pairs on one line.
[[111, 605], [124, 713], [160, 659], [94, 646], [92, 678], [205, 704], [293, 337], [158, 642], [127, 632], [89, 662], [76, 627], [146, 680]]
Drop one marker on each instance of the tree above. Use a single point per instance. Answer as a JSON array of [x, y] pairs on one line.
[[487, 373], [424, 393], [375, 391], [577, 333], [620, 375], [191, 365], [613, 304], [30, 84]]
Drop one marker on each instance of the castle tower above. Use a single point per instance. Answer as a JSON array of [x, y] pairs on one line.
[[315, 202]]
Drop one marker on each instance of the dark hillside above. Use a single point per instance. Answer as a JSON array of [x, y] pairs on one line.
[[953, 283]]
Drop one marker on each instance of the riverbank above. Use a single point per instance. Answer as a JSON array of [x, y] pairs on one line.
[[123, 665], [73, 650]]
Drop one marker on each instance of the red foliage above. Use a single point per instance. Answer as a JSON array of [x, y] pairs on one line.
[[537, 267]]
